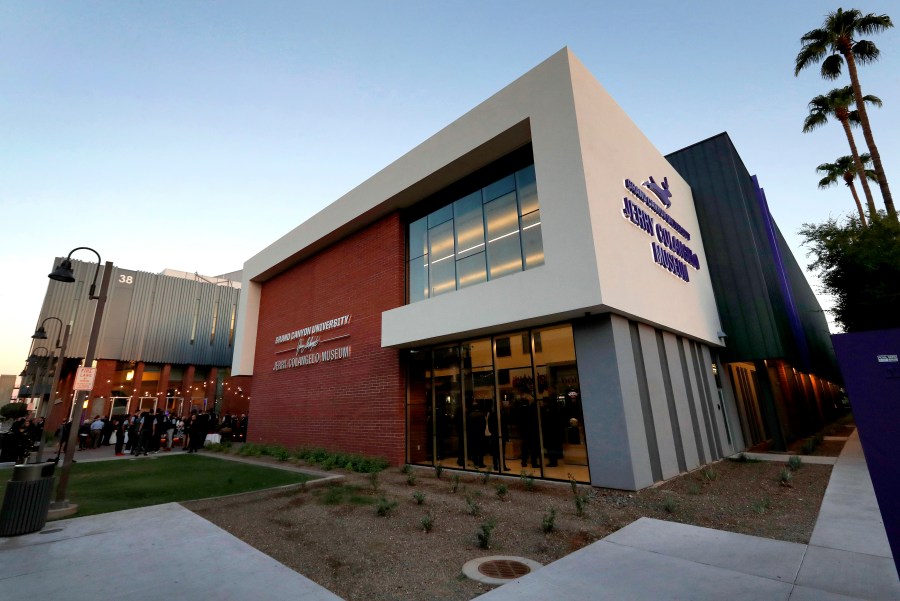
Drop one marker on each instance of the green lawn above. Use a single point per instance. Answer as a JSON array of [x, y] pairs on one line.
[[103, 486]]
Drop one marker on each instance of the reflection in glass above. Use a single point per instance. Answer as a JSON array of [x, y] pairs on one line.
[[418, 238], [442, 268], [497, 404], [527, 189], [448, 410], [420, 415], [470, 270], [469, 223], [499, 188], [440, 216], [532, 241], [500, 222], [418, 279]]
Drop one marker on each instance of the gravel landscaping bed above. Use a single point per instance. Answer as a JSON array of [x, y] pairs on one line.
[[333, 534]]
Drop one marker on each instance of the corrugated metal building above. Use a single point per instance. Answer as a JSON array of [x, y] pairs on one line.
[[166, 340], [778, 351]]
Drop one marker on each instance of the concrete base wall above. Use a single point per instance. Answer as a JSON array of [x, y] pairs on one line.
[[652, 408]]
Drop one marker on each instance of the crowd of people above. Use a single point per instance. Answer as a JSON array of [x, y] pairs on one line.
[[21, 439], [149, 432]]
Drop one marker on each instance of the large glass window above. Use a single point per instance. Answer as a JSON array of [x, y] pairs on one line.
[[509, 403], [485, 235]]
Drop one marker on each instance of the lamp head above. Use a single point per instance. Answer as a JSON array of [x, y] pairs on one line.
[[63, 272], [40, 334]]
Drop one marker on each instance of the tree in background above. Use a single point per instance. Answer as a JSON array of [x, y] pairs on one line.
[[13, 410], [838, 38], [860, 267], [844, 169], [837, 103]]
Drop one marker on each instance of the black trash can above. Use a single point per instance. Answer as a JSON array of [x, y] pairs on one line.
[[27, 499]]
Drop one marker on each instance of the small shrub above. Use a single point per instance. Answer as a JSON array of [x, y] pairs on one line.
[[808, 447], [581, 500], [483, 536], [282, 454], [472, 506], [454, 483], [527, 480], [548, 524], [411, 479], [485, 476], [419, 496], [785, 477], [669, 504], [427, 522], [693, 488], [762, 505], [795, 462], [406, 469], [438, 471], [383, 507], [374, 481], [218, 447], [709, 474], [502, 491]]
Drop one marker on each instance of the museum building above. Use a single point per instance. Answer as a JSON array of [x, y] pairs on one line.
[[528, 289], [166, 341]]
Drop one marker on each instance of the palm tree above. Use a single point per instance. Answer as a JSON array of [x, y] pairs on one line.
[[837, 103], [838, 39], [845, 169]]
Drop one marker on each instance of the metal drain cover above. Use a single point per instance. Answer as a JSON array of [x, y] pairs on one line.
[[503, 568], [499, 569]]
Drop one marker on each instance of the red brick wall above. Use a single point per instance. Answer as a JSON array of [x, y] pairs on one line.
[[352, 405], [236, 393]]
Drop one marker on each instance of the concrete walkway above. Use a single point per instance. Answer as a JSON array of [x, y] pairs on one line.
[[103, 556]]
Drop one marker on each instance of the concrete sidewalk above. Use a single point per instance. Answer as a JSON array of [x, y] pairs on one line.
[[105, 556], [152, 553]]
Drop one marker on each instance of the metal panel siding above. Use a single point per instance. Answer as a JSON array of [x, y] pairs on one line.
[[730, 226], [812, 317], [148, 320]]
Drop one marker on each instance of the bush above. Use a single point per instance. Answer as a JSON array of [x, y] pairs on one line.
[[785, 477], [373, 481], [527, 480], [419, 496], [483, 536], [709, 474], [669, 504], [219, 447], [438, 471], [406, 468], [13, 410], [383, 507], [762, 505], [411, 479], [795, 462], [502, 491], [548, 524], [454, 483], [427, 522], [472, 506]]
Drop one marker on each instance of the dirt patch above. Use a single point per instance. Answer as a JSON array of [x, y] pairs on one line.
[[334, 536]]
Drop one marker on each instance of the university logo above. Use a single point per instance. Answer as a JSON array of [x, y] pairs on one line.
[[661, 192]]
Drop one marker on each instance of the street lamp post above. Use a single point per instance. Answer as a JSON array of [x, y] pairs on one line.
[[63, 273], [41, 334]]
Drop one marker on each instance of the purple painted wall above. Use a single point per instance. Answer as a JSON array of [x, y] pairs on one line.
[[871, 369]]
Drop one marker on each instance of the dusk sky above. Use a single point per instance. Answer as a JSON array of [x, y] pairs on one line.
[[190, 135]]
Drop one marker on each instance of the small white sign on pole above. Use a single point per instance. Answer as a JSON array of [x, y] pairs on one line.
[[84, 378]]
